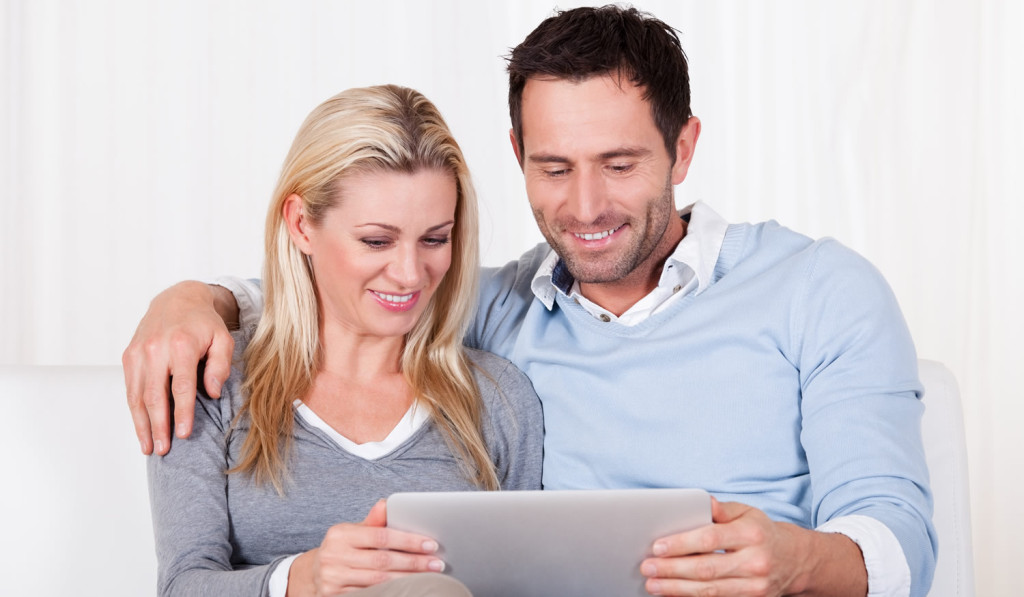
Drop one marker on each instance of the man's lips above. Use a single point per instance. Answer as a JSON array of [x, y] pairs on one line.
[[597, 236]]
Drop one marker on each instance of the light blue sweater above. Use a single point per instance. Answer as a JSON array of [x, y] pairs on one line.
[[789, 384]]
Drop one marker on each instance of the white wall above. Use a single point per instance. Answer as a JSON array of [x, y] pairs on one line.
[[141, 141]]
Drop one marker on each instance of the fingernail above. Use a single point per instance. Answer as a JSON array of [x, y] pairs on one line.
[[648, 569], [159, 446], [181, 430], [214, 386], [660, 549], [436, 565], [654, 587], [142, 445], [430, 546]]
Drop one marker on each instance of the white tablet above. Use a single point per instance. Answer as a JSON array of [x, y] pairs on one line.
[[547, 543]]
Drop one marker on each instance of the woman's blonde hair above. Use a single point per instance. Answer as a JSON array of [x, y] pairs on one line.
[[374, 129]]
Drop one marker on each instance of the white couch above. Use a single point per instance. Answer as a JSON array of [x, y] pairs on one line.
[[74, 509]]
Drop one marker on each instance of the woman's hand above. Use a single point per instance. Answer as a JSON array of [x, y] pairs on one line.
[[357, 555]]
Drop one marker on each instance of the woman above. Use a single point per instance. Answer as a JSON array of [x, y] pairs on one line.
[[355, 385]]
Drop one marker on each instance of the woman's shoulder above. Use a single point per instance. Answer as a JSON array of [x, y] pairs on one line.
[[500, 381], [221, 411], [488, 366]]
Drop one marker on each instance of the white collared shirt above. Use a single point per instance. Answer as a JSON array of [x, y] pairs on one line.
[[687, 270]]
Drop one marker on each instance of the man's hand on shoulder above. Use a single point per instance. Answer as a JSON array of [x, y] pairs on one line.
[[184, 323], [746, 553]]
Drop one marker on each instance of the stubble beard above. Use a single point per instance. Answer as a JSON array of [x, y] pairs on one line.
[[603, 267]]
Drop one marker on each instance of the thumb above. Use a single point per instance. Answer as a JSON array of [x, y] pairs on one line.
[[722, 512], [378, 515]]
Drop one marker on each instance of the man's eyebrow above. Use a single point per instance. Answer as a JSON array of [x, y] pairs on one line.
[[618, 152], [625, 152], [547, 158]]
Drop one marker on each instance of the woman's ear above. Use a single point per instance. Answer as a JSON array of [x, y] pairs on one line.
[[298, 225]]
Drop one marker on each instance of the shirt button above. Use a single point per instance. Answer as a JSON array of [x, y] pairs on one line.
[[676, 289], [605, 318]]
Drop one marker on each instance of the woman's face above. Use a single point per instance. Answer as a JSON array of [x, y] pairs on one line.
[[379, 255]]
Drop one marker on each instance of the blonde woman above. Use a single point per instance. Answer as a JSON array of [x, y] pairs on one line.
[[355, 385]]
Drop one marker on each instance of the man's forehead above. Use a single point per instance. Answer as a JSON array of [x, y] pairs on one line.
[[560, 111]]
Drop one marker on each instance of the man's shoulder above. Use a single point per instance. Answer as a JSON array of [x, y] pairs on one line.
[[773, 238], [517, 272], [506, 293]]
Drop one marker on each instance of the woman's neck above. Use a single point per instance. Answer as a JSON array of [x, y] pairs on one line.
[[359, 389]]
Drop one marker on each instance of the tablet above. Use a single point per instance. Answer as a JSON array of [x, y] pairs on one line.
[[546, 543]]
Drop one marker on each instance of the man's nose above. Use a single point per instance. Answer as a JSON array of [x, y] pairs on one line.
[[588, 197]]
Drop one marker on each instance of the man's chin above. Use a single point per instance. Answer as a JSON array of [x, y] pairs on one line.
[[592, 271]]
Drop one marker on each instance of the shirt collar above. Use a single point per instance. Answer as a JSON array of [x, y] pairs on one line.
[[695, 255]]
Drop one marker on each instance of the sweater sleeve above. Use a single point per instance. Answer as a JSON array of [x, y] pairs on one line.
[[188, 499], [515, 428], [505, 296], [860, 405]]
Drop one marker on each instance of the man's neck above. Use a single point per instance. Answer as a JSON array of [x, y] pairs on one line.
[[618, 296]]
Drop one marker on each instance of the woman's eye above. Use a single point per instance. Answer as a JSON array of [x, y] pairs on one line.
[[436, 241], [376, 243]]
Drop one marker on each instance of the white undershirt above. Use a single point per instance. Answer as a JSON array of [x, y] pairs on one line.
[[411, 421]]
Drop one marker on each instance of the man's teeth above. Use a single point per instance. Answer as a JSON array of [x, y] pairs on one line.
[[394, 298], [597, 235]]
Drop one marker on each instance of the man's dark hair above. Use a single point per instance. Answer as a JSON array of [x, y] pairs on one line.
[[585, 42]]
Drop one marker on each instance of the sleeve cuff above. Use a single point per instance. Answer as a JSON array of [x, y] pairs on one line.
[[249, 297], [279, 577], [888, 572]]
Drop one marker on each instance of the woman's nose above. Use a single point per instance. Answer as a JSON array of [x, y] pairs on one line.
[[407, 267]]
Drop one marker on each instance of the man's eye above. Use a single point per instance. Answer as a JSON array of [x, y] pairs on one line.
[[556, 173], [621, 168]]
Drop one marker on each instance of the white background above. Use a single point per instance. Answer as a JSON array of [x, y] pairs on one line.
[[141, 141]]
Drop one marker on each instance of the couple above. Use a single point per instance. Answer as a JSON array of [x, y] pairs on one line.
[[668, 349]]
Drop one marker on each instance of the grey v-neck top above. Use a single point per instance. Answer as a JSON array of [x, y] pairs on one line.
[[219, 534]]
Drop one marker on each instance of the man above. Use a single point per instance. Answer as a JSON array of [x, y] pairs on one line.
[[669, 348]]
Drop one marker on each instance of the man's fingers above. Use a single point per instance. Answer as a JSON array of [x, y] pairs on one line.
[[734, 527], [727, 511], [727, 586], [134, 389], [218, 363], [183, 389], [702, 568], [154, 400], [141, 420]]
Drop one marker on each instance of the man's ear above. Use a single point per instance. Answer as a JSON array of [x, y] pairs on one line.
[[686, 143], [515, 147], [298, 225]]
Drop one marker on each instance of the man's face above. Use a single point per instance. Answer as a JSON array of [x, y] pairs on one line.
[[598, 176]]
